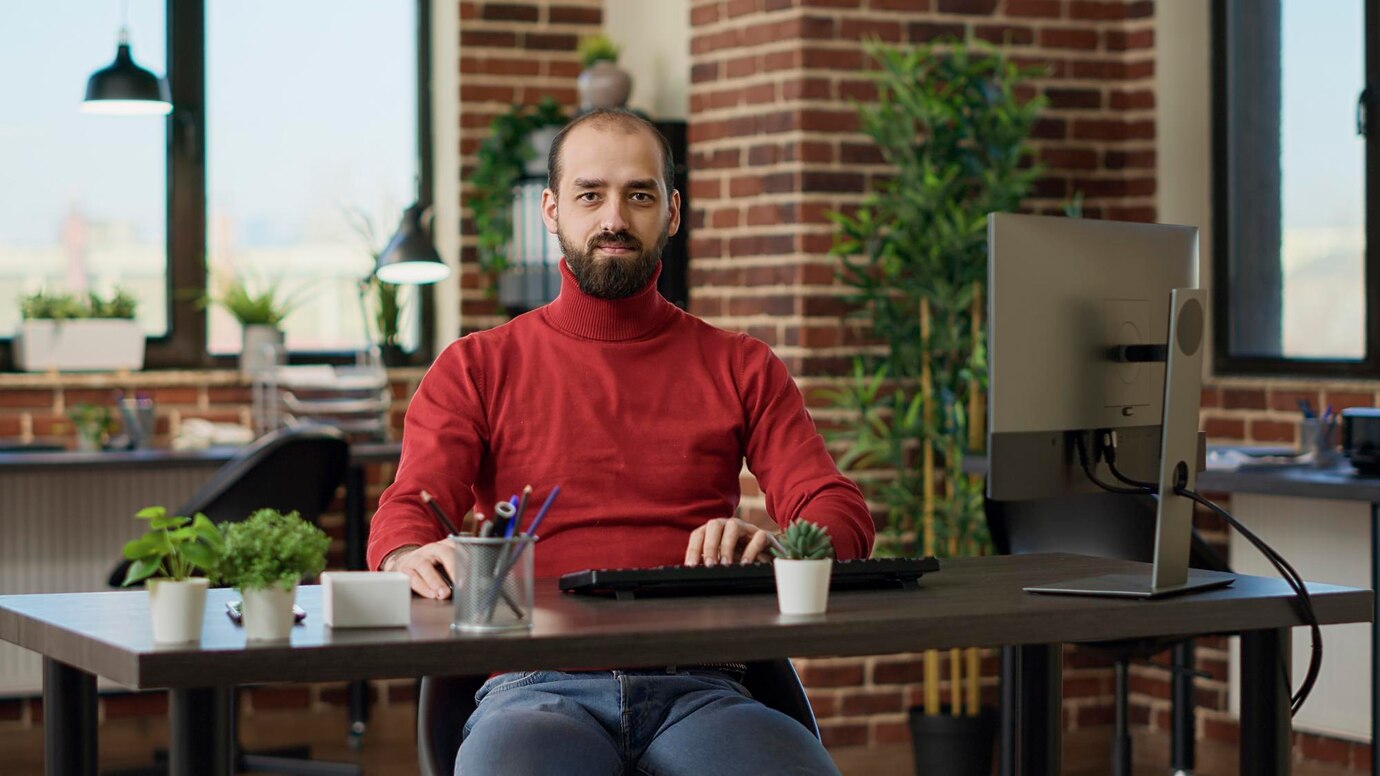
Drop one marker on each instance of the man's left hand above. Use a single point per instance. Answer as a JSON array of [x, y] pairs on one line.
[[717, 541]]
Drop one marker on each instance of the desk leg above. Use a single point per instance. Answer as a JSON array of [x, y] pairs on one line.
[[69, 720], [1031, 709], [355, 561], [1265, 729], [201, 733], [1375, 640]]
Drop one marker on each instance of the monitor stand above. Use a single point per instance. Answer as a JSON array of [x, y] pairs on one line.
[[1183, 378]]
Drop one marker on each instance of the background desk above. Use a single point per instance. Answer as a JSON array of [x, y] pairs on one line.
[[976, 601], [65, 515], [1304, 513]]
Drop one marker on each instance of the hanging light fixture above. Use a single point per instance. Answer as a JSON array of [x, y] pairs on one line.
[[124, 88], [410, 257]]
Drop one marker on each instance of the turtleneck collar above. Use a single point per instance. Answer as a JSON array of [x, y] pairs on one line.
[[609, 320]]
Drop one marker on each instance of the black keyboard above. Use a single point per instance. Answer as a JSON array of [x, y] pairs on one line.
[[865, 574]]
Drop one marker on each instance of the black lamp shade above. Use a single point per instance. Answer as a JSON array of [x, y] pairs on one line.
[[410, 258], [125, 88]]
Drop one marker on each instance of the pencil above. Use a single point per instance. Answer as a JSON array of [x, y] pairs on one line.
[[439, 515]]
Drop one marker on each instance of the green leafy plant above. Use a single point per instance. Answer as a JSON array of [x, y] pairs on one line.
[[93, 422], [597, 48], [803, 540], [174, 546], [387, 311], [45, 305], [498, 167], [948, 119], [270, 549], [267, 307]]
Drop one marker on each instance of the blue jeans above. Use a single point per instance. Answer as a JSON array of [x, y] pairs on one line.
[[634, 723]]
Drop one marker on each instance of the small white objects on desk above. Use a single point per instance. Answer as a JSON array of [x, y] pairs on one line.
[[366, 599]]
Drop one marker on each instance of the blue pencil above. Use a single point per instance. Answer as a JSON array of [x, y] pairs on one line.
[[532, 529]]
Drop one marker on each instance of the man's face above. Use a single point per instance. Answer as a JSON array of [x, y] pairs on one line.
[[612, 214]]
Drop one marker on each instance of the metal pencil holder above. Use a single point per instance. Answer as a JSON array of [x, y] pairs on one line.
[[493, 583]]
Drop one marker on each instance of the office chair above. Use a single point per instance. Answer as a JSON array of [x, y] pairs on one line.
[[445, 703], [1111, 525], [291, 469]]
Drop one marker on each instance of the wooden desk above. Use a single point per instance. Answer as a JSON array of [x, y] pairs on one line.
[[1339, 483], [972, 602]]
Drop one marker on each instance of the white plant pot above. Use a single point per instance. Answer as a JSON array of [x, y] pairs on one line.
[[261, 348], [802, 586], [82, 345], [177, 608], [268, 613]]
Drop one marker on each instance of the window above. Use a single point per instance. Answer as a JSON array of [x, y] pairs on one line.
[[297, 129], [1294, 270]]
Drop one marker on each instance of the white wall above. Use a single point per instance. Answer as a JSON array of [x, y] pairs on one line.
[[655, 38], [1183, 94]]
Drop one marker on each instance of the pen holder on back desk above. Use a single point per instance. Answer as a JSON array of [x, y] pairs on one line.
[[493, 583], [1319, 437]]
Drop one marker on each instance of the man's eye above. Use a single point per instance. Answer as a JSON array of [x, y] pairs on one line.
[[641, 196], [587, 196]]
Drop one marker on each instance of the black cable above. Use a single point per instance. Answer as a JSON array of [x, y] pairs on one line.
[[1106, 446]]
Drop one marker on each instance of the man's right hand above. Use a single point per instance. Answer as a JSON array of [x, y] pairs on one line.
[[429, 567]]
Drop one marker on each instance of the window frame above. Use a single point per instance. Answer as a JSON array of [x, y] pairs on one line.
[[1225, 363], [184, 344]]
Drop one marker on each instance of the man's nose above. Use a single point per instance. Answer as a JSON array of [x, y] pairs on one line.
[[612, 218]]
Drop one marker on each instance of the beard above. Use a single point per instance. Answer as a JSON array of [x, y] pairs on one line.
[[612, 277]]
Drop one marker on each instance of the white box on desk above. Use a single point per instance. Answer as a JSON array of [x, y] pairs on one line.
[[366, 599]]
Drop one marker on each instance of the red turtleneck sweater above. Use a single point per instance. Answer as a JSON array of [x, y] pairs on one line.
[[642, 413]]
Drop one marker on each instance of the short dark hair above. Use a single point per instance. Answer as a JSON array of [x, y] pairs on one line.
[[620, 117]]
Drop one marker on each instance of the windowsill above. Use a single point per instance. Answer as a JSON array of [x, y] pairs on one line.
[[154, 378]]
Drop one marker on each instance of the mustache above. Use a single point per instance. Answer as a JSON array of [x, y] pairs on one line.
[[618, 240]]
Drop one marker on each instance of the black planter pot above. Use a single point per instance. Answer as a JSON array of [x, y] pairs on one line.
[[393, 355], [946, 745]]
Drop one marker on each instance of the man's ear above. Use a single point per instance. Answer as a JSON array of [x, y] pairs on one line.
[[548, 210], [674, 225]]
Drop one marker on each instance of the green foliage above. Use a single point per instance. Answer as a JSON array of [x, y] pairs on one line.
[[597, 48], [174, 546], [266, 307], [44, 305], [804, 540], [948, 120], [387, 311], [92, 421], [498, 167], [270, 548]]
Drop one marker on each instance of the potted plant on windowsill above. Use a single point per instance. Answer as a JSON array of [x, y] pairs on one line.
[[94, 424], [62, 332], [164, 559], [265, 556], [259, 314], [804, 562]]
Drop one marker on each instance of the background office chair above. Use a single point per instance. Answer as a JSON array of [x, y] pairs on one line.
[[1111, 525], [444, 703], [291, 469]]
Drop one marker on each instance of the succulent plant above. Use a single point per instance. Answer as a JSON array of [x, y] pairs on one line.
[[803, 540]]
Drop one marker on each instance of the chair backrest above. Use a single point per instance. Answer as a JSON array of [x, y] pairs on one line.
[[444, 703], [291, 469], [1108, 525]]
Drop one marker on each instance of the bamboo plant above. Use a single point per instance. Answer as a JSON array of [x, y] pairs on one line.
[[949, 121]]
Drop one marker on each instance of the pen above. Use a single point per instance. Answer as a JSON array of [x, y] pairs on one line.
[[521, 508], [1306, 409], [440, 516], [532, 529]]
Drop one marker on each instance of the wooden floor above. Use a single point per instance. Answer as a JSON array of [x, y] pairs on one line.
[[390, 747]]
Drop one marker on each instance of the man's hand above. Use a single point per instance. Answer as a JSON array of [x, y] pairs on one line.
[[716, 542], [430, 568]]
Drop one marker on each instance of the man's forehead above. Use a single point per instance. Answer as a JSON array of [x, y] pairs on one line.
[[609, 149]]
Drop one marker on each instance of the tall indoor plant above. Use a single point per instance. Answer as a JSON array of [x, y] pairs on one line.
[[948, 120]]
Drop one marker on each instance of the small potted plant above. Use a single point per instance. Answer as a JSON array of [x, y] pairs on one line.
[[602, 83], [266, 556], [164, 559], [94, 424], [259, 314], [804, 559], [62, 332]]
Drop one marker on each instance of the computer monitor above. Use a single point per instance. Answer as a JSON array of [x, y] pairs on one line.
[[1097, 325]]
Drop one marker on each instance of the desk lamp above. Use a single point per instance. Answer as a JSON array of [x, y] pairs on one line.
[[409, 258]]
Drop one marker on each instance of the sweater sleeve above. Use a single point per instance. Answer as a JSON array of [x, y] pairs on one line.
[[444, 436], [789, 459]]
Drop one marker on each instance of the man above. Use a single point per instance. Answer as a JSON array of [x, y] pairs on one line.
[[643, 415]]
